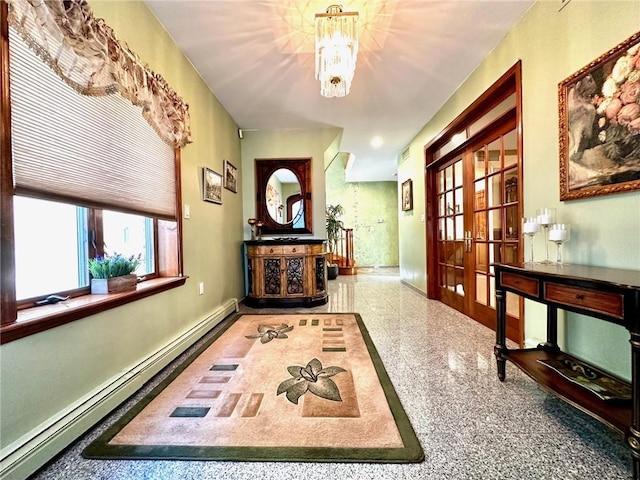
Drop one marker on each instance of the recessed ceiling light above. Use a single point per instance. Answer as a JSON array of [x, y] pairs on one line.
[[376, 142]]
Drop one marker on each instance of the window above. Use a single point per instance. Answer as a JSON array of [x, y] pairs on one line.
[[129, 235], [85, 176], [70, 237], [50, 251]]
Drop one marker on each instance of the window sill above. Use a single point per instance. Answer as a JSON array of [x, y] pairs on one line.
[[39, 319]]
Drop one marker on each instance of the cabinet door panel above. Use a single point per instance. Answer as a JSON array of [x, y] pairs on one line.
[[320, 275], [294, 275], [272, 276]]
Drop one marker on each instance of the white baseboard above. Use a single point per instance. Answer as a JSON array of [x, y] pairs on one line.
[[26, 455]]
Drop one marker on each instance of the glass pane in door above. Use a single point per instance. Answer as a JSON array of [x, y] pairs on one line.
[[450, 200], [496, 211]]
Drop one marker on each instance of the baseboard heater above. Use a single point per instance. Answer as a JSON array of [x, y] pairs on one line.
[[26, 455]]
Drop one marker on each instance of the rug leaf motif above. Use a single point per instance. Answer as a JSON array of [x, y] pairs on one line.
[[266, 333], [312, 378]]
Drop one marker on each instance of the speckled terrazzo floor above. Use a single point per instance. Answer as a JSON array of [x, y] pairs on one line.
[[470, 425]]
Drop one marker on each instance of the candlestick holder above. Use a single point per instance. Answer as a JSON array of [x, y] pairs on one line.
[[559, 233], [546, 217], [252, 224], [530, 227]]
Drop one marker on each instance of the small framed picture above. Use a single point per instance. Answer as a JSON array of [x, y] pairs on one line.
[[407, 195], [211, 186], [230, 176]]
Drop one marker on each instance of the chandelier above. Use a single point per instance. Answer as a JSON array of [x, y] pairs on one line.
[[336, 50]]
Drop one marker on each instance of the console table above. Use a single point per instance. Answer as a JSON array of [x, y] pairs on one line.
[[611, 295], [286, 272]]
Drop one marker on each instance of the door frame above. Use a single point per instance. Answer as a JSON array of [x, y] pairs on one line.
[[509, 83]]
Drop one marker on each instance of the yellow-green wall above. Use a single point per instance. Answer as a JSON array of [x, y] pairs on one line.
[[371, 210], [45, 376], [552, 45], [319, 145]]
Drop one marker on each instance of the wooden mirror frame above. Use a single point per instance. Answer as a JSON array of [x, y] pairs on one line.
[[264, 168]]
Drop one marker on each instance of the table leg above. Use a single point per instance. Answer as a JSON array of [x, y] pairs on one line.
[[552, 330], [633, 436], [501, 334]]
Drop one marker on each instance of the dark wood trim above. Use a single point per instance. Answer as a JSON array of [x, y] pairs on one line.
[[264, 168], [22, 319], [39, 319], [489, 98], [179, 263], [508, 84], [255, 302], [431, 226], [95, 219], [290, 202], [7, 257]]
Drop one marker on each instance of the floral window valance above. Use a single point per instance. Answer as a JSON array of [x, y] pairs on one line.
[[87, 55]]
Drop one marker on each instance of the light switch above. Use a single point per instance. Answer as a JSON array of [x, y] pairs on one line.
[[187, 211]]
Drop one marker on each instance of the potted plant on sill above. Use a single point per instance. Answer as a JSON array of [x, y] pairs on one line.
[[113, 273], [334, 227]]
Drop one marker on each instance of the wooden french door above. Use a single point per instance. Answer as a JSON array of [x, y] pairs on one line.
[[477, 198]]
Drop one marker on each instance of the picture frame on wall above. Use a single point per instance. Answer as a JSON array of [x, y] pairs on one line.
[[407, 195], [230, 176], [599, 116], [211, 186]]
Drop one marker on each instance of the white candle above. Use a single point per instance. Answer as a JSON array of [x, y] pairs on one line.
[[529, 225], [545, 216], [544, 219], [558, 233]]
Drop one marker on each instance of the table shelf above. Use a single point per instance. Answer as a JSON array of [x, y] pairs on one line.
[[611, 295], [616, 414]]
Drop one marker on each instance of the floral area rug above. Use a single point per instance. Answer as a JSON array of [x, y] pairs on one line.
[[272, 388]]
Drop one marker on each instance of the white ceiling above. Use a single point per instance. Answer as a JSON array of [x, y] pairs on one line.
[[257, 57]]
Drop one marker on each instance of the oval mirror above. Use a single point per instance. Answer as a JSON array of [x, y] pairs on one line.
[[283, 195], [284, 198]]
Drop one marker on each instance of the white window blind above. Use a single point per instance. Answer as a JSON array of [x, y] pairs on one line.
[[92, 151]]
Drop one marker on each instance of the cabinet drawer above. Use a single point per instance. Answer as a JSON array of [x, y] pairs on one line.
[[316, 249], [520, 283], [270, 250], [294, 249], [602, 302]]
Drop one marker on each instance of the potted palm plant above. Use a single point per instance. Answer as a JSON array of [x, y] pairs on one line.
[[334, 228], [113, 273]]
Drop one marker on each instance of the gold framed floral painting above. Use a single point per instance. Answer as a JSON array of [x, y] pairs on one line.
[[599, 110]]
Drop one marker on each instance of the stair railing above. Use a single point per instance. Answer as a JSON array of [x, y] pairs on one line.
[[345, 254]]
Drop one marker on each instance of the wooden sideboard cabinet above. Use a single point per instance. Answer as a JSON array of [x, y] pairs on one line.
[[611, 295], [286, 273]]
